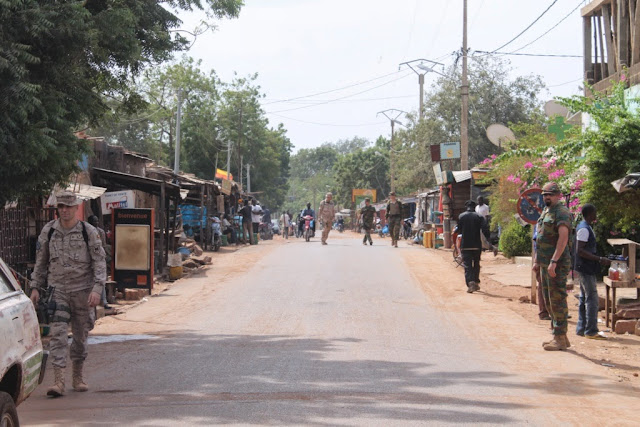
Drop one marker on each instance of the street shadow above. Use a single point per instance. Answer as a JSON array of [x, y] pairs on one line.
[[191, 378]]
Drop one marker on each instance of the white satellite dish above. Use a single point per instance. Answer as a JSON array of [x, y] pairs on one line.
[[500, 134], [552, 108]]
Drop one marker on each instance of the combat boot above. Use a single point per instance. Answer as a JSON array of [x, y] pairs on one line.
[[57, 389], [78, 382], [559, 343]]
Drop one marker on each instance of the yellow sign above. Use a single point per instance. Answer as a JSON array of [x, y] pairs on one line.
[[358, 194], [226, 186], [222, 174]]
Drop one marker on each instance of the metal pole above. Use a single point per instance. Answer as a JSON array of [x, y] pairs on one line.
[[392, 165], [228, 158], [464, 91], [241, 160], [176, 165]]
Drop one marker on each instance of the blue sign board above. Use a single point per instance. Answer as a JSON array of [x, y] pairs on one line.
[[449, 150], [530, 205]]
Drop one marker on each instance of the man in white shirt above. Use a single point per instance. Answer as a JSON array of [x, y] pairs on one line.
[[256, 215], [482, 209], [284, 224]]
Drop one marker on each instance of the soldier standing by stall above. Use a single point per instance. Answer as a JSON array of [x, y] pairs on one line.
[[70, 258]]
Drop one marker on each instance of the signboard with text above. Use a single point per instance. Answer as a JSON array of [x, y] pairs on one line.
[[449, 150], [117, 200]]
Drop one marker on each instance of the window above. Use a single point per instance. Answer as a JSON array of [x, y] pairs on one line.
[[5, 285]]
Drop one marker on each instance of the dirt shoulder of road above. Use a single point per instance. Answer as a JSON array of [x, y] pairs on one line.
[[508, 285]]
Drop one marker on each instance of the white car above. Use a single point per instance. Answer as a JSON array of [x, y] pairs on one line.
[[22, 360]]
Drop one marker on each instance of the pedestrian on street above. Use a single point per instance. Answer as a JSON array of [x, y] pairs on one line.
[[326, 214], [256, 215], [588, 265], [394, 218], [284, 224], [470, 227], [247, 231], [70, 258], [367, 213], [553, 260], [482, 209]]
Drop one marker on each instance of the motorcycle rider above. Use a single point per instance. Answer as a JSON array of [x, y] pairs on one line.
[[305, 212]]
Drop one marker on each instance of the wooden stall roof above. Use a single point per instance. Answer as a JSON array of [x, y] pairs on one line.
[[135, 182], [593, 7], [620, 242]]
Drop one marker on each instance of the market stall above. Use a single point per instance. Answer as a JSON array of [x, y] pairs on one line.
[[626, 276]]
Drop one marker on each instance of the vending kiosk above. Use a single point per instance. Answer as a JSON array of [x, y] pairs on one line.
[[132, 235]]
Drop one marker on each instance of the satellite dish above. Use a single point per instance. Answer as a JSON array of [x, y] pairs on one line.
[[552, 108], [500, 134]]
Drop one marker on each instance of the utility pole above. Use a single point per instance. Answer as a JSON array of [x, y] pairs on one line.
[[248, 178], [425, 69], [464, 92], [228, 158], [241, 160], [392, 114], [176, 163]]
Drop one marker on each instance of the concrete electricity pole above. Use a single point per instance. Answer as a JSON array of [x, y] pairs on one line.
[[176, 163], [392, 114], [464, 93], [425, 69], [248, 178]]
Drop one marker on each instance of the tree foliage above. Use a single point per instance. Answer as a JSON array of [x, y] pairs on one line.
[[58, 59]]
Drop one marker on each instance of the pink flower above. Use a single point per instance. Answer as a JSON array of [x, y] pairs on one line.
[[623, 78], [511, 178], [528, 165], [517, 180], [493, 157]]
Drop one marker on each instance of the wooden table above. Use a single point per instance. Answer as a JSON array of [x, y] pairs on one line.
[[611, 302]]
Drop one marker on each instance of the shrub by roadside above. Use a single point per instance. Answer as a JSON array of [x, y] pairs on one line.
[[515, 240]]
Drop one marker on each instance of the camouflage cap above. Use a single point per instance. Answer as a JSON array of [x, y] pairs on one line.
[[551, 188], [367, 200], [67, 198], [393, 193]]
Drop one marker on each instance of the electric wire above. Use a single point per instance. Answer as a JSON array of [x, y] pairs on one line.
[[334, 90], [537, 55], [343, 97], [526, 29], [329, 124], [313, 102], [566, 83], [550, 29]]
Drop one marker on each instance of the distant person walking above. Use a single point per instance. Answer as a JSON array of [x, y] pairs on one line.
[[482, 209], [285, 222], [394, 218], [247, 230], [326, 214], [470, 227], [367, 213], [256, 215]]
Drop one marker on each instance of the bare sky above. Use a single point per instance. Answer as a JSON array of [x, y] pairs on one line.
[[304, 47]]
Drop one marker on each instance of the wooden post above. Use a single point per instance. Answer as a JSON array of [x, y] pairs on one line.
[[603, 66], [163, 226], [534, 280], [588, 67], [623, 33], [202, 226], [611, 56], [635, 25]]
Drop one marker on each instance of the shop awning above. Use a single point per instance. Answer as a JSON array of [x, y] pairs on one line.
[[135, 182]]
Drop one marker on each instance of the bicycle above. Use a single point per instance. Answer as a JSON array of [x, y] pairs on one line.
[[457, 255]]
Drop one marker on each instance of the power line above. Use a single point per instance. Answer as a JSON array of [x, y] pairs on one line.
[[526, 29], [334, 90], [314, 102], [343, 97], [566, 83], [550, 29], [328, 124], [540, 55]]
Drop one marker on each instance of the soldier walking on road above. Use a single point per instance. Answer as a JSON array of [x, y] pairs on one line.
[[394, 218], [553, 260], [367, 213], [70, 258], [326, 214]]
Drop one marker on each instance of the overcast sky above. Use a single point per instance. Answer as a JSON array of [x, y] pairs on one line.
[[353, 48]]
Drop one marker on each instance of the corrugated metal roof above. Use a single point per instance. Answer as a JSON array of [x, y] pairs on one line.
[[461, 176]]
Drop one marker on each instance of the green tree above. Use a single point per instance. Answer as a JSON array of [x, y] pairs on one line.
[[57, 59]]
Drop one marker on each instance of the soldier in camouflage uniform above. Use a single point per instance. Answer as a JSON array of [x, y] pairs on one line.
[[553, 261], [69, 257], [326, 215], [394, 218], [367, 213]]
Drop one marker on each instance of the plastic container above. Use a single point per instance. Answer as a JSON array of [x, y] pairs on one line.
[[225, 240], [613, 271]]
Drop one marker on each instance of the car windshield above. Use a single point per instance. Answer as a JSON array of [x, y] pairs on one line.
[[5, 285]]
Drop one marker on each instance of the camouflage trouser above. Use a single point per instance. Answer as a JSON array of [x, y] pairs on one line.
[[394, 228], [367, 233], [71, 308], [326, 228], [554, 291]]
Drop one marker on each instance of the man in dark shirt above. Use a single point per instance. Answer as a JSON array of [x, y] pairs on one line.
[[470, 226], [246, 222]]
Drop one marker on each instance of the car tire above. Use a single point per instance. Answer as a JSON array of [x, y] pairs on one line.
[[8, 412]]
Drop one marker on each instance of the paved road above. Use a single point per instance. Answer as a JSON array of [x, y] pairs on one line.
[[307, 334]]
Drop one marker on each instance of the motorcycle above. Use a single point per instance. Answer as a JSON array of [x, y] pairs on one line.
[[265, 231], [308, 227], [340, 227], [407, 228]]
